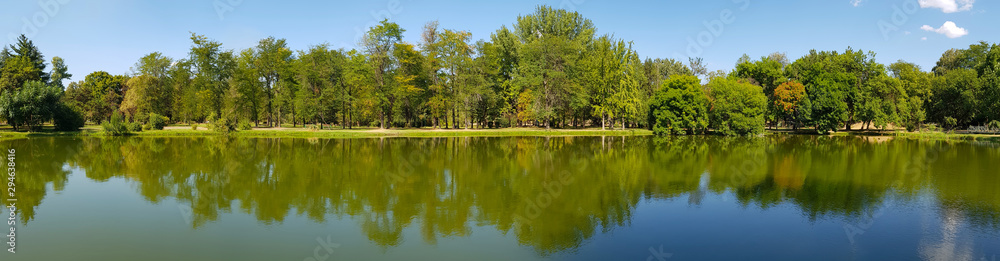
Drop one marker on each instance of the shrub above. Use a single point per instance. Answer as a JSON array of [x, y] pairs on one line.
[[950, 122], [194, 126], [67, 118], [135, 126], [156, 121], [244, 125], [737, 107], [116, 126], [221, 125]]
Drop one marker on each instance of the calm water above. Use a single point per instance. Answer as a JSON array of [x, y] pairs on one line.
[[560, 198]]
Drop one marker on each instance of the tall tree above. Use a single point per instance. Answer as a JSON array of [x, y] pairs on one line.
[[357, 76], [26, 48], [59, 72], [614, 74], [379, 42], [455, 54], [553, 41], [149, 90], [211, 67], [502, 49], [272, 62], [413, 82], [104, 94], [791, 102], [767, 74]]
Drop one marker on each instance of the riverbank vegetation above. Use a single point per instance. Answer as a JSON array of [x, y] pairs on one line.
[[532, 74]]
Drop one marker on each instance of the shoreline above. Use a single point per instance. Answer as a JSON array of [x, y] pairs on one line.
[[183, 131]]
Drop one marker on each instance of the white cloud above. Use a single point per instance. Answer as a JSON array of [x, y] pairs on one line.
[[923, 38], [856, 3], [949, 29], [948, 6]]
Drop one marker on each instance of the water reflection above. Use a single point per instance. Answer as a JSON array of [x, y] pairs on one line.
[[551, 193]]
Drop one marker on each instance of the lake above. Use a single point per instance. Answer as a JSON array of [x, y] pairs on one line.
[[511, 198]]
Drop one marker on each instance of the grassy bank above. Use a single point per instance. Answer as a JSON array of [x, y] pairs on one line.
[[185, 131], [287, 132]]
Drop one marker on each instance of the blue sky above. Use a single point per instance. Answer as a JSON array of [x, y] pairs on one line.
[[111, 35]]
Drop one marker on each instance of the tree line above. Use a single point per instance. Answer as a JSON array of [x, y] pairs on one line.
[[549, 69]]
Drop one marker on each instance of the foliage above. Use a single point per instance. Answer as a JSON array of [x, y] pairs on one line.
[[134, 126], [116, 125], [100, 94], [156, 121], [679, 107], [67, 118], [547, 69], [613, 74], [738, 107], [223, 125], [29, 106], [994, 126], [791, 103], [548, 58], [379, 43]]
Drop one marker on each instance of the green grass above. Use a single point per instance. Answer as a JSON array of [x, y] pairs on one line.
[[186, 131], [288, 132]]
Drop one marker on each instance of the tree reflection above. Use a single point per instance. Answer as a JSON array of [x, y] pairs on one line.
[[552, 193]]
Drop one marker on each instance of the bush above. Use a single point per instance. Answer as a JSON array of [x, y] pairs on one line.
[[950, 123], [156, 122], [135, 126], [244, 125], [116, 126], [67, 118], [221, 125], [194, 126], [737, 107]]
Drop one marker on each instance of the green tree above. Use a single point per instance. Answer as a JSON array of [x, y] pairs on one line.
[[955, 96], [357, 76], [246, 95], [738, 107], [455, 54], [210, 67], [184, 102], [614, 76], [917, 85], [148, 90], [319, 72], [767, 74], [379, 42], [827, 83], [502, 51], [59, 72], [102, 95], [413, 83], [679, 107], [273, 61], [31, 68], [31, 105], [553, 41]]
